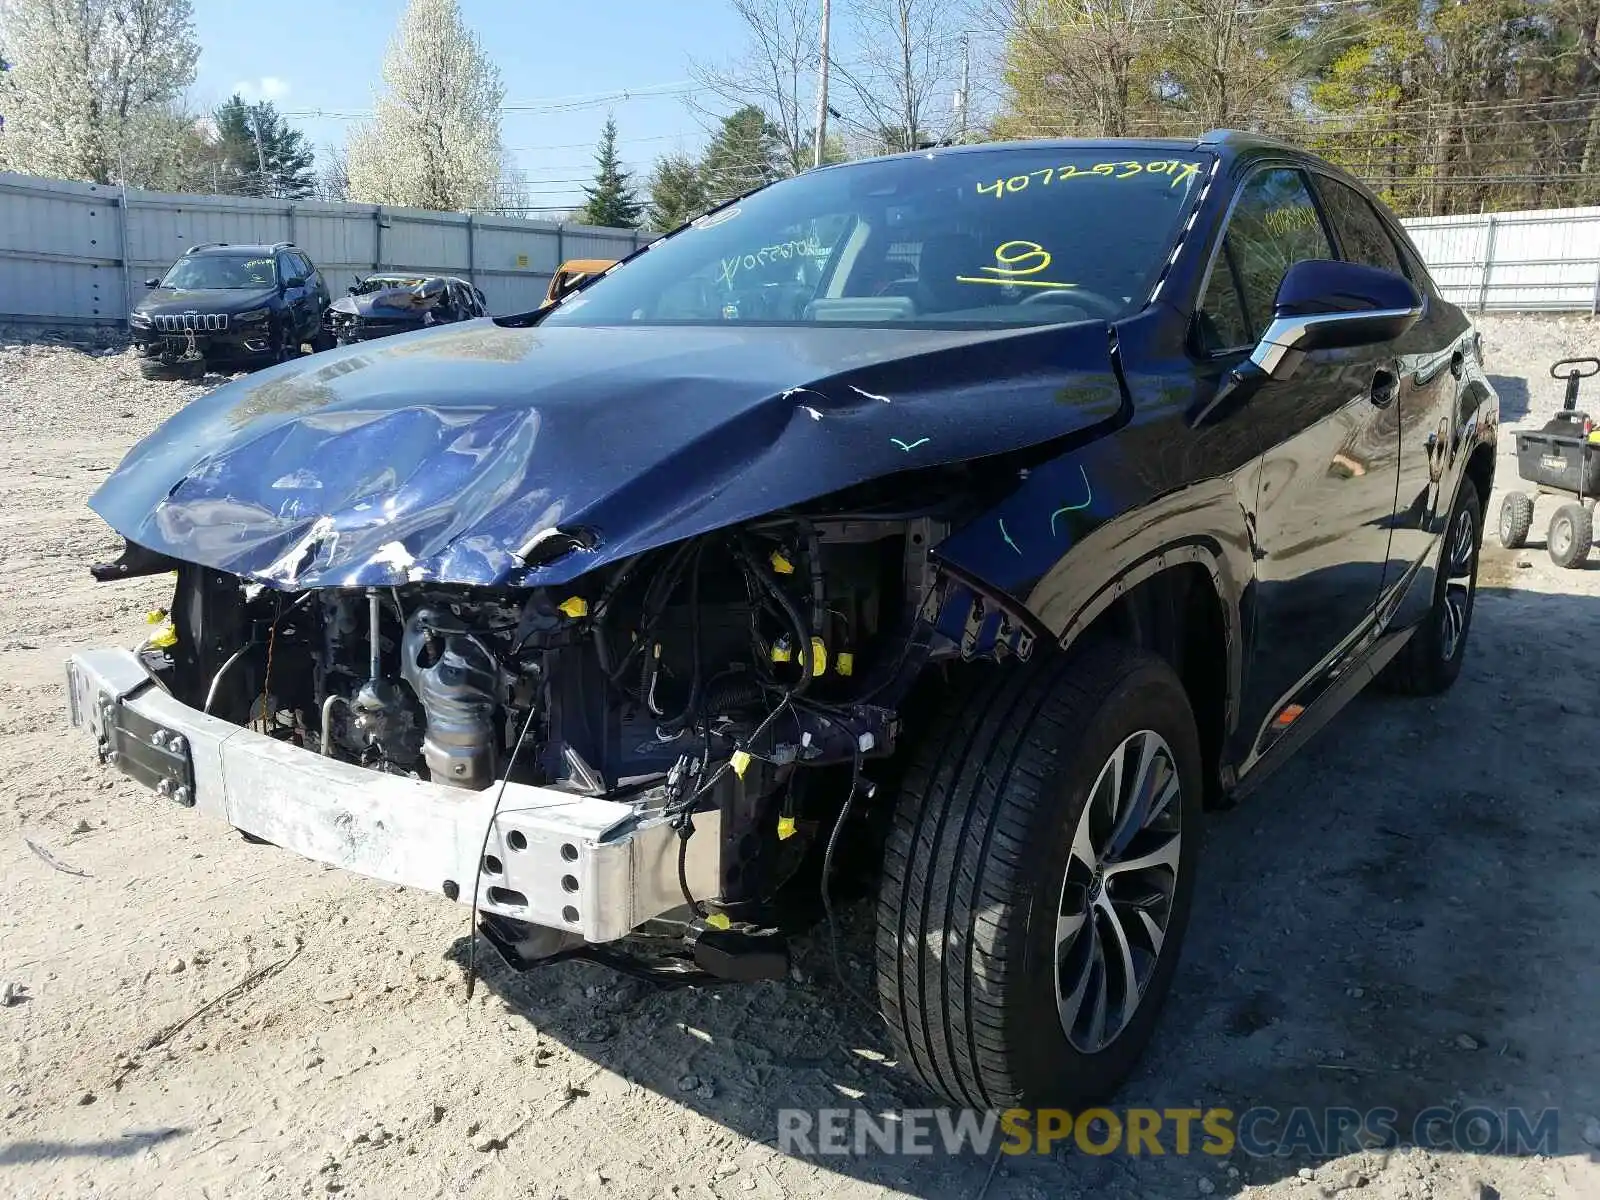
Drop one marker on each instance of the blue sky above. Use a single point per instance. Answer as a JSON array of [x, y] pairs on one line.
[[326, 55]]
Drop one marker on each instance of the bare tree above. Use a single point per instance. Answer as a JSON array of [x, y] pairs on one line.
[[1076, 66], [901, 86], [333, 174], [435, 141], [95, 92], [776, 72]]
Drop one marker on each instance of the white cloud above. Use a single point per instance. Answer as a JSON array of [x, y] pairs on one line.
[[268, 87]]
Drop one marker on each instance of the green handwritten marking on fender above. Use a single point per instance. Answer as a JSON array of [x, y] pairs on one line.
[[1007, 537], [908, 448], [1088, 500]]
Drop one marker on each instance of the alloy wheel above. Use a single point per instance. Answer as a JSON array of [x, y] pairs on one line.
[[1461, 558], [1116, 900]]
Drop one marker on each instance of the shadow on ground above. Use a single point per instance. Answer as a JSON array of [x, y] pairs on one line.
[[17, 1154], [1513, 391], [1407, 917]]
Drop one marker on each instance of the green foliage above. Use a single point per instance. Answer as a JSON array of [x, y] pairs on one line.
[[677, 192], [259, 154], [746, 153], [612, 200], [1447, 107]]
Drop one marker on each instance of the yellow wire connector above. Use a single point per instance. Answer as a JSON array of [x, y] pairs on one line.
[[819, 657], [740, 762], [845, 664], [718, 921], [781, 652], [163, 638], [155, 616], [780, 563], [785, 828], [575, 607]]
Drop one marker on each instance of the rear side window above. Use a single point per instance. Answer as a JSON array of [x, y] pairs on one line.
[[1362, 235], [1274, 225]]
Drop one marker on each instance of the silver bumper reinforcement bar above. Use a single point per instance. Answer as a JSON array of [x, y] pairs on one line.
[[593, 867]]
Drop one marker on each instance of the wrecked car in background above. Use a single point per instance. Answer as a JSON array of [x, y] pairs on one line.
[[572, 274], [960, 524], [380, 305]]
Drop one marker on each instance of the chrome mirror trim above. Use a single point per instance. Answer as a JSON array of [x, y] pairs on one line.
[[1286, 334]]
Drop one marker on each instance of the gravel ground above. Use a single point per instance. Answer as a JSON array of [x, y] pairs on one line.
[[1406, 916]]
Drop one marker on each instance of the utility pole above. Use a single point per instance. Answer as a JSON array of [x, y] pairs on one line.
[[261, 154], [966, 81], [822, 92]]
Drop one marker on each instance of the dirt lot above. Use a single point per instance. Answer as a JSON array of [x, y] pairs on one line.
[[1407, 916]]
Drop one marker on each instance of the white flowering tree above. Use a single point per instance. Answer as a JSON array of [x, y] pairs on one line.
[[94, 88], [434, 141]]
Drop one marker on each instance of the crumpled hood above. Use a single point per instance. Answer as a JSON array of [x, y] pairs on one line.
[[388, 302], [439, 455], [204, 300]]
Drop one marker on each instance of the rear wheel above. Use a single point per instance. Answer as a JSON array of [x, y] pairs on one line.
[[1571, 533], [1431, 660], [1516, 519], [1038, 878]]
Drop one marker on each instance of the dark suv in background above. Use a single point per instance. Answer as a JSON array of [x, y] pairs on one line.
[[240, 304]]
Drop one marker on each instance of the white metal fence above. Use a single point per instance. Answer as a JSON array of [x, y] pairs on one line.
[[78, 253], [1540, 259]]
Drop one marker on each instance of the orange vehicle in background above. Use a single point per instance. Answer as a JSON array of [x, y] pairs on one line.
[[573, 272]]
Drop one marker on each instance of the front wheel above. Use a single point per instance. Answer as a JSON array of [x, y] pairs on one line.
[[1038, 878]]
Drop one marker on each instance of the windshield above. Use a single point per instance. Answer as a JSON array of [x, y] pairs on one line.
[[1024, 235], [222, 271]]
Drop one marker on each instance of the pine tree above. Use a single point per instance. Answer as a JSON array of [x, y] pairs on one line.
[[677, 192], [259, 153], [746, 153], [435, 142], [612, 200]]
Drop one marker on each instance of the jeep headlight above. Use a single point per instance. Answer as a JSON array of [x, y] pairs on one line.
[[139, 320], [254, 315]]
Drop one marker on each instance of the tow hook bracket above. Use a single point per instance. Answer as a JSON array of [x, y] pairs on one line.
[[146, 752]]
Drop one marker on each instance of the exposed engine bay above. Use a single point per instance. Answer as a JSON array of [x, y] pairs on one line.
[[703, 675]]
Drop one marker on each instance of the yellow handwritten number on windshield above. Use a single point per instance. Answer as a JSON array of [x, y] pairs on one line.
[[1018, 261]]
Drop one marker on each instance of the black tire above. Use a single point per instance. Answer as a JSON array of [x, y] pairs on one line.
[[976, 868], [1431, 660], [1516, 519], [1570, 536], [154, 368], [288, 344]]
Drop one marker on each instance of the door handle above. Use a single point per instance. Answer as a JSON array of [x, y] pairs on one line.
[[1385, 386]]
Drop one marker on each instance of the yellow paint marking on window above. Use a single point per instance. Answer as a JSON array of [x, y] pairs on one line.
[[1010, 257]]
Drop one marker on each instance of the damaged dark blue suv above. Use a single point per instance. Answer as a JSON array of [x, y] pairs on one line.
[[959, 525]]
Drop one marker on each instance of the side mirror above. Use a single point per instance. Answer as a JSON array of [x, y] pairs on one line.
[[1322, 305], [294, 281], [152, 283], [354, 289]]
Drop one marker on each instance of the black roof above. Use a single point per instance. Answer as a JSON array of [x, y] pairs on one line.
[[1222, 141]]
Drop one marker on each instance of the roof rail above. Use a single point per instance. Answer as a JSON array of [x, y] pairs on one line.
[[284, 246], [203, 246]]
